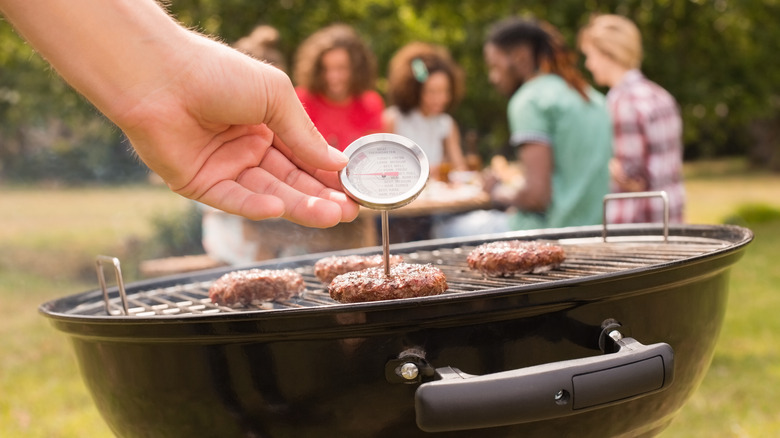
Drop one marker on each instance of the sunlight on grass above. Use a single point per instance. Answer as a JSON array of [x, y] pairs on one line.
[[715, 189], [43, 394], [737, 397], [39, 217], [49, 239]]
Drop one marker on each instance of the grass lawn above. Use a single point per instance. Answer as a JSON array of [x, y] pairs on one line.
[[48, 240]]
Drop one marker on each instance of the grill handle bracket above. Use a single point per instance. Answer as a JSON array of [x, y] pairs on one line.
[[459, 401], [99, 261], [633, 195], [409, 368]]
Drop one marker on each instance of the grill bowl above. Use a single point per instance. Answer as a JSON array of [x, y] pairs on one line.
[[316, 368]]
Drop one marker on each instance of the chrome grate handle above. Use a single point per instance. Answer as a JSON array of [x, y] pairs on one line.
[[99, 261], [632, 195]]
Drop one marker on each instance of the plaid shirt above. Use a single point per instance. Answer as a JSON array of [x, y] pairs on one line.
[[648, 144]]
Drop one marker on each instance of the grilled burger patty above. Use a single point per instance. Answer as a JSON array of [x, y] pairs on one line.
[[244, 287], [509, 257], [328, 268], [405, 281]]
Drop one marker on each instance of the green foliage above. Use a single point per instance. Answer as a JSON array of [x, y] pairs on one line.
[[716, 57], [48, 131], [754, 214], [176, 234]]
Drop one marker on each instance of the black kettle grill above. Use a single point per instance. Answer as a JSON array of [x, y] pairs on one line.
[[610, 344]]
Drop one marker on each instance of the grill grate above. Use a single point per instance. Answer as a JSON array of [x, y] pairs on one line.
[[584, 257]]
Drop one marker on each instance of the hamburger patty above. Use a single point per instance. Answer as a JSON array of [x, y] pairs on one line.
[[244, 287], [326, 269], [371, 284], [509, 257]]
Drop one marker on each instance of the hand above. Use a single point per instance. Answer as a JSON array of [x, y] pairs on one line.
[[622, 179], [218, 126], [501, 195], [232, 134]]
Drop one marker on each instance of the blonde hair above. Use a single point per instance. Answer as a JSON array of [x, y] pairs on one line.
[[263, 44], [615, 36]]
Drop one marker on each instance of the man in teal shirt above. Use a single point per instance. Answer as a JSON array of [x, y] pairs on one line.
[[558, 123]]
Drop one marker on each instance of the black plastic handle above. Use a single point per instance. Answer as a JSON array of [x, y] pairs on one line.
[[458, 401]]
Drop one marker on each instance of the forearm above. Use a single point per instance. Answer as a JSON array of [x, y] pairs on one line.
[[535, 193], [111, 51], [525, 198]]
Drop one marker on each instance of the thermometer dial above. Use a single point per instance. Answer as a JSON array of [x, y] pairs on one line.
[[385, 171]]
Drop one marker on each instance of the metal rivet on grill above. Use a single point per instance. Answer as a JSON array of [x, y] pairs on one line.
[[409, 371], [562, 397]]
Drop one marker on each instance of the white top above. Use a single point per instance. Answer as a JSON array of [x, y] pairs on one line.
[[428, 132]]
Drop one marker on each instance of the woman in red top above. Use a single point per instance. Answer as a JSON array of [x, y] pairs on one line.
[[335, 74]]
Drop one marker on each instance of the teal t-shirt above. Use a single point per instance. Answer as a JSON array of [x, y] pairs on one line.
[[546, 109]]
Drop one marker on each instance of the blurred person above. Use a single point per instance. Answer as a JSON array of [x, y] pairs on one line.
[[335, 73], [216, 125], [263, 44], [424, 84], [646, 121], [558, 123]]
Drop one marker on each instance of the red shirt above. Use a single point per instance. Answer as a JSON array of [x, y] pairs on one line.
[[343, 123]]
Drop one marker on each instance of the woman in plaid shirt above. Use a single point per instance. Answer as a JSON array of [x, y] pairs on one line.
[[646, 121]]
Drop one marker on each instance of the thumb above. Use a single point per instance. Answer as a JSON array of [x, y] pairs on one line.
[[287, 118]]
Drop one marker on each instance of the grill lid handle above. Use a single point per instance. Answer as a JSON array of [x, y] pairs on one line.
[[459, 401]]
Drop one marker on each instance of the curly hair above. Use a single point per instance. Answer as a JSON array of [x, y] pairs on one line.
[[404, 87], [551, 54], [308, 72]]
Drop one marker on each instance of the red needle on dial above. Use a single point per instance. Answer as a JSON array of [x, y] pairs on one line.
[[379, 174]]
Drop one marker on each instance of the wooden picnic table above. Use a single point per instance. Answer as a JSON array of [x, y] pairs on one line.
[[278, 237]]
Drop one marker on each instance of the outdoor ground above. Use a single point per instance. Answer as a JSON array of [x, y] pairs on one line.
[[49, 237]]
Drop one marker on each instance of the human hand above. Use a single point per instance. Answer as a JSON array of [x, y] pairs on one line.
[[622, 179], [218, 126], [232, 134], [501, 195]]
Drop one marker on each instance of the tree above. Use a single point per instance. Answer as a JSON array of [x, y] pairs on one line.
[[47, 130], [716, 57]]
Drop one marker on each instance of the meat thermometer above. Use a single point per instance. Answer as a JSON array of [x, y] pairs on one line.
[[384, 172]]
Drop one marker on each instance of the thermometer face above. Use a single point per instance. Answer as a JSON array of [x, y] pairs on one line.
[[385, 171]]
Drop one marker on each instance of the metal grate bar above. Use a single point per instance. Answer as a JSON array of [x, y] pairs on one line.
[[582, 260]]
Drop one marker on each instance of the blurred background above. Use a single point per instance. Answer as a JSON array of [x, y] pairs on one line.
[[70, 187], [716, 57]]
